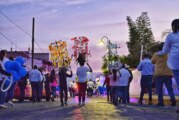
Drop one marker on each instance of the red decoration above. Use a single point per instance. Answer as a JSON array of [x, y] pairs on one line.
[[80, 47]]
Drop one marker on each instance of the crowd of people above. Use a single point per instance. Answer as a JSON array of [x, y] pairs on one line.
[[162, 67]]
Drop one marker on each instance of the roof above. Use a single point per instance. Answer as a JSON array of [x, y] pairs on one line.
[[42, 56], [14, 54]]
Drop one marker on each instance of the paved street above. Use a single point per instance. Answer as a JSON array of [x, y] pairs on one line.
[[95, 109]]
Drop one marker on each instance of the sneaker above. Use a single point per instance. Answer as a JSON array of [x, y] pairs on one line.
[[150, 103], [11, 103], [160, 104], [62, 104], [66, 103], [3, 107], [53, 99], [83, 103], [173, 103], [140, 102], [177, 111]]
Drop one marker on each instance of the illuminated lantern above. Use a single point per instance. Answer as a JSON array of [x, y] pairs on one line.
[[59, 53]]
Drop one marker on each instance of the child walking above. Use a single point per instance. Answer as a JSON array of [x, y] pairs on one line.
[[82, 77]]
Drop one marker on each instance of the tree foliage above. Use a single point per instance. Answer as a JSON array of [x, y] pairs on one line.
[[140, 33]]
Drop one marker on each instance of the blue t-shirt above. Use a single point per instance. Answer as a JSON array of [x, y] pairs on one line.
[[171, 46], [146, 67]]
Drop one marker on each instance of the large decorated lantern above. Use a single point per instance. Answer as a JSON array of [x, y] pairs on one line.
[[80, 47], [59, 54]]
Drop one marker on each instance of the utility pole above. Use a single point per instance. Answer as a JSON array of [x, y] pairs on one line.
[[11, 48], [33, 26]]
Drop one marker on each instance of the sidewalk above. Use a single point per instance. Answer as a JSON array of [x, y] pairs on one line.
[[155, 99]]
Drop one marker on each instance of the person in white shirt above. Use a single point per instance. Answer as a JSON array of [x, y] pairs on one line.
[[90, 86], [70, 88], [3, 75], [82, 77], [73, 87], [123, 83]]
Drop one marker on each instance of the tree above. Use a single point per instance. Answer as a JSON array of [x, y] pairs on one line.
[[140, 33], [106, 62]]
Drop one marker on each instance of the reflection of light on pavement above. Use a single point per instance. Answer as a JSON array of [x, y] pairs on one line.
[[133, 100], [77, 113], [76, 100]]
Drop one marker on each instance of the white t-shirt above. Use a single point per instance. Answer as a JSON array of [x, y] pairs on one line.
[[3, 63], [73, 85], [3, 67], [90, 84], [124, 77], [82, 73]]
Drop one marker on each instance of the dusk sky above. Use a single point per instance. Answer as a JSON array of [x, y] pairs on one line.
[[65, 19]]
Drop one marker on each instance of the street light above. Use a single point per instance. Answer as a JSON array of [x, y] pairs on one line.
[[112, 50], [101, 42]]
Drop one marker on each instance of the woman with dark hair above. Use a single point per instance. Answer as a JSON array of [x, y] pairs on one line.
[[47, 87], [53, 84], [113, 86], [3, 75], [124, 79], [82, 78], [171, 46]]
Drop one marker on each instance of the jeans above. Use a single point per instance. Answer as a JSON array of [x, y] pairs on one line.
[[123, 93], [146, 82], [176, 76], [53, 88], [41, 87], [22, 92], [112, 94], [47, 91], [115, 93], [2, 95], [63, 93], [36, 91], [128, 94], [108, 92], [73, 92], [167, 80], [90, 92], [10, 92]]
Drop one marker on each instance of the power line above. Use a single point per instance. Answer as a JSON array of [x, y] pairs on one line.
[[12, 43], [20, 29], [15, 24]]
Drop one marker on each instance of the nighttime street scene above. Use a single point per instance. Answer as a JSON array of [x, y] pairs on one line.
[[89, 60]]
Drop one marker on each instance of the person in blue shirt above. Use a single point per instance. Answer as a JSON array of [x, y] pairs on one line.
[[147, 70], [35, 79], [171, 46]]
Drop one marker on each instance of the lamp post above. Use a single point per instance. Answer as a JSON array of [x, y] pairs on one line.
[[101, 42], [110, 45], [112, 49]]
